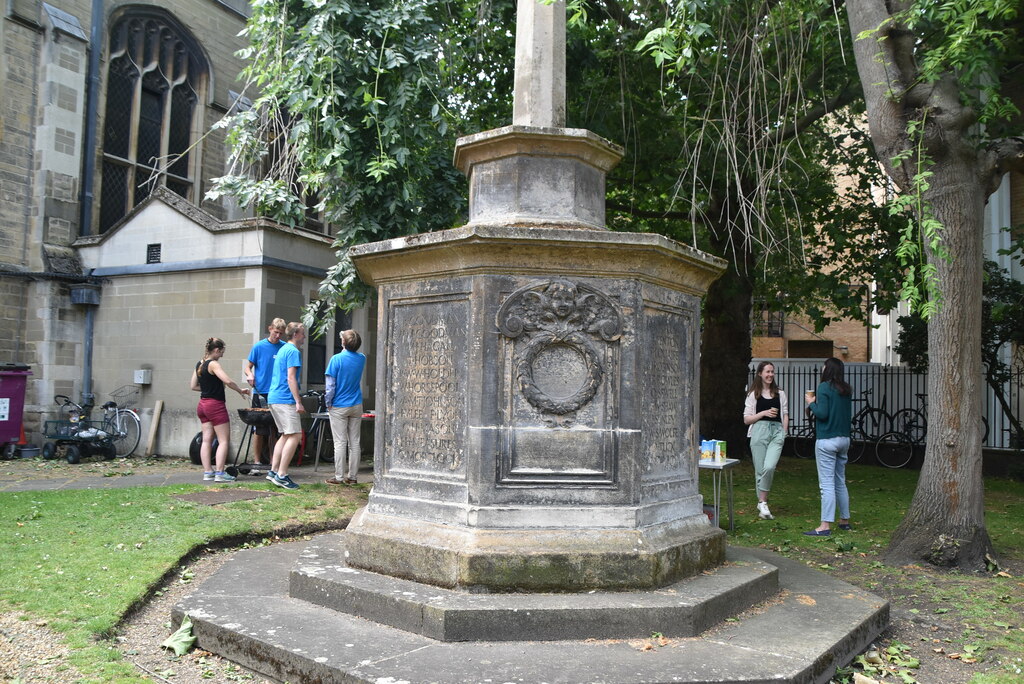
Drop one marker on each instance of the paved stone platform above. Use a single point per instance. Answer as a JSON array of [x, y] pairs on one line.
[[245, 613]]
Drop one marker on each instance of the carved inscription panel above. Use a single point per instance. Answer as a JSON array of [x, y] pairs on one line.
[[428, 375], [668, 413]]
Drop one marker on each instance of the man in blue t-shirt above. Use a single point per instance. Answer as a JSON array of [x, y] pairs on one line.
[[345, 405], [258, 369], [286, 404]]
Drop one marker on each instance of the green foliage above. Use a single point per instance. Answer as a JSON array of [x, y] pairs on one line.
[[759, 137], [359, 106], [971, 40], [350, 114], [968, 43], [1002, 323]]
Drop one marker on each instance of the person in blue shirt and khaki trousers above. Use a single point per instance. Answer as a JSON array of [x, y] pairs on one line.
[[344, 398]]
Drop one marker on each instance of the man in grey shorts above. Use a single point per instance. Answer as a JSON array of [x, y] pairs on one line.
[[286, 404]]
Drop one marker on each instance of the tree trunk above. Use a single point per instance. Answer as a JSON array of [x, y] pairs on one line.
[[724, 358], [945, 523]]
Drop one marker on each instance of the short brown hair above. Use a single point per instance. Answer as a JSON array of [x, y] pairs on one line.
[[350, 340], [293, 328]]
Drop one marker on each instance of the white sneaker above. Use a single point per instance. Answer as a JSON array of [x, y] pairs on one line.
[[763, 512]]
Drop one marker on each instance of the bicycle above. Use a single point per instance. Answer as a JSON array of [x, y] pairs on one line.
[[805, 436], [894, 450], [121, 421], [914, 422], [803, 440], [871, 421]]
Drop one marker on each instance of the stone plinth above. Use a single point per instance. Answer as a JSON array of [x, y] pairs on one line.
[[683, 609], [529, 175], [538, 431]]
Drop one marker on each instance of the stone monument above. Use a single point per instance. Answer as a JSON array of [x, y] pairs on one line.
[[535, 504], [537, 373]]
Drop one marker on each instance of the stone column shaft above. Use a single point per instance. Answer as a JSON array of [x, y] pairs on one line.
[[539, 95]]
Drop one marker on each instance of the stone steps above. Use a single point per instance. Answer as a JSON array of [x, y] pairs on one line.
[[683, 609], [247, 613]]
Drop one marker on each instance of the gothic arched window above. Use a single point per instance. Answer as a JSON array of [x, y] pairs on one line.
[[155, 76]]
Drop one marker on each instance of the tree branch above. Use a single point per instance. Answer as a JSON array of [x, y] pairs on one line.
[[618, 15], [848, 94], [1002, 156]]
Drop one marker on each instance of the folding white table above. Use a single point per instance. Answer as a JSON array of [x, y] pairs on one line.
[[720, 470]]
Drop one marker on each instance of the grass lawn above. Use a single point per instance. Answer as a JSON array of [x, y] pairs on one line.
[[80, 559], [975, 622]]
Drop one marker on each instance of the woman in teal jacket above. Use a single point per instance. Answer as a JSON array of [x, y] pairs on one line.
[[831, 407]]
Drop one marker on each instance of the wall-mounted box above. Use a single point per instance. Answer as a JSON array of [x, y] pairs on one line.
[[144, 376]]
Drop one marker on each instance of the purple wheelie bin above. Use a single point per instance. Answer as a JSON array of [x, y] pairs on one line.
[[13, 377]]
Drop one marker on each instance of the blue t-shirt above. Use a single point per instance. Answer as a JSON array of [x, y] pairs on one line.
[[288, 357], [347, 370], [262, 357]]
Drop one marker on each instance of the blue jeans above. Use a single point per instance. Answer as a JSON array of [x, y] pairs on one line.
[[830, 455]]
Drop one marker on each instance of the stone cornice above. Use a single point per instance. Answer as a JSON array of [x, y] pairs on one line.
[[478, 249]]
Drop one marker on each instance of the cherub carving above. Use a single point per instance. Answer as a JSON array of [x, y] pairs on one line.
[[559, 312]]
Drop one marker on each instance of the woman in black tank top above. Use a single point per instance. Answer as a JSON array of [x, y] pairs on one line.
[[766, 412], [209, 380]]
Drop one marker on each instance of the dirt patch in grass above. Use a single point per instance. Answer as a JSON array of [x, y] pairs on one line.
[[32, 652], [140, 637], [20, 469], [938, 616]]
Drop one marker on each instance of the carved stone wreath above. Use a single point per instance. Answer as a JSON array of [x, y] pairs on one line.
[[553, 314]]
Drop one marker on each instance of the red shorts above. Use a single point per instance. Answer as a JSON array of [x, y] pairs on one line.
[[212, 411]]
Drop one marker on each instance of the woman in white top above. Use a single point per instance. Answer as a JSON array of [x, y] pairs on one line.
[[766, 412]]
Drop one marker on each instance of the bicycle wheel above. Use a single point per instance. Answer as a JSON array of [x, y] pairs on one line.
[[126, 430], [857, 443], [803, 443], [873, 423], [912, 423], [327, 448], [894, 450]]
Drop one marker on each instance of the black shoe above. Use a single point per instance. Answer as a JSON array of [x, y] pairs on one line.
[[818, 533], [846, 527]]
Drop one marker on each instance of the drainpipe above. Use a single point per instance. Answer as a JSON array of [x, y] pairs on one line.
[[88, 295], [89, 141]]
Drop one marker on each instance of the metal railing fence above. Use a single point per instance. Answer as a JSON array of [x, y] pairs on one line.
[[892, 388]]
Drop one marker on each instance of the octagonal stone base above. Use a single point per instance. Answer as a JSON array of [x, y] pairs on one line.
[[324, 577], [543, 560]]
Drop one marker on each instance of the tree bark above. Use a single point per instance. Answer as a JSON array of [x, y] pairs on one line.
[[725, 357], [944, 524]]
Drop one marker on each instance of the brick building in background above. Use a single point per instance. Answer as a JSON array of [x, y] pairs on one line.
[[111, 260]]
